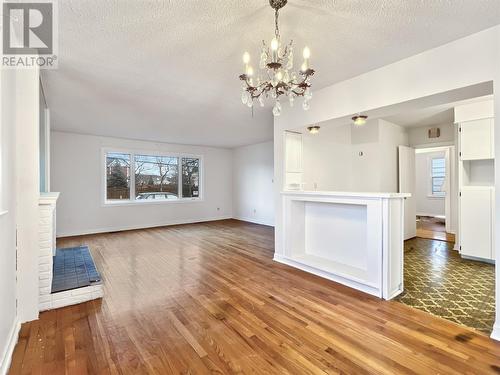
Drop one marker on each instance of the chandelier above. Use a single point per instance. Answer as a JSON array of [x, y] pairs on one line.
[[276, 77]]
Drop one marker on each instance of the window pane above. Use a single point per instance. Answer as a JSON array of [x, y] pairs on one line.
[[438, 162], [438, 167], [156, 177], [117, 176], [190, 177], [437, 185]]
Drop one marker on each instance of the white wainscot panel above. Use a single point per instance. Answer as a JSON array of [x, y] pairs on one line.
[[355, 240]]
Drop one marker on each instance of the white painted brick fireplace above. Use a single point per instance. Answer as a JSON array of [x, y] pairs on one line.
[[47, 241]]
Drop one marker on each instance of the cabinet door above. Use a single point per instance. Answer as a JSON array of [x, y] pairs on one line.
[[476, 139], [293, 152], [476, 223]]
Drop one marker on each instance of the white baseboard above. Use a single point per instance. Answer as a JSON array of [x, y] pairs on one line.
[[369, 289], [9, 349], [253, 220], [495, 334], [144, 226]]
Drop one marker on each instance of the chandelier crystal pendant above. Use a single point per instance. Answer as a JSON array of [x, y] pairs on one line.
[[276, 76]]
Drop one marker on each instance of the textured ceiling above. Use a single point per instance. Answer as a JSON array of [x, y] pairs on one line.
[[425, 117], [435, 115], [167, 70]]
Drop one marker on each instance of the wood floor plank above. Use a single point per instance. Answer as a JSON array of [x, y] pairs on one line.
[[208, 298]]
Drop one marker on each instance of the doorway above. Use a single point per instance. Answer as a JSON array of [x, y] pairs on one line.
[[433, 191], [429, 175]]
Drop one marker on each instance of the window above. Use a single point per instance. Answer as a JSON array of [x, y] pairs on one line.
[[190, 177], [117, 176], [155, 178], [438, 176]]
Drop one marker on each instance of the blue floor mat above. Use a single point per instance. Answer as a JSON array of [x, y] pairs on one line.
[[73, 268]]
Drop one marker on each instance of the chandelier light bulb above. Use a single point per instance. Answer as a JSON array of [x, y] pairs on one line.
[[304, 66], [246, 58], [249, 71], [279, 76], [274, 44], [306, 53]]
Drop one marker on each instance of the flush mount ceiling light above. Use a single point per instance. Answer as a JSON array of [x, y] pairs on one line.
[[313, 129], [359, 120], [276, 76]]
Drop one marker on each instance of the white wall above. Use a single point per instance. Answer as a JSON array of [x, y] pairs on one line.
[[419, 136], [28, 190], [322, 153], [77, 171], [427, 205], [350, 158], [19, 193], [253, 174], [391, 136], [8, 288], [469, 61]]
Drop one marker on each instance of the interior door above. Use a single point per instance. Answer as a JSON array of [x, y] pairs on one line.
[[407, 172]]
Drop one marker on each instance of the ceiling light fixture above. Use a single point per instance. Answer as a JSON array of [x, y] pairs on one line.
[[359, 120], [313, 129], [276, 76]]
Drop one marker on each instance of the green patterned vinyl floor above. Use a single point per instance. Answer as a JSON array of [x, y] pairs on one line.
[[439, 281]]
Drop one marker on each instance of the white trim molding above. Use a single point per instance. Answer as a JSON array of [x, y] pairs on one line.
[[495, 333], [9, 349], [134, 227], [254, 221]]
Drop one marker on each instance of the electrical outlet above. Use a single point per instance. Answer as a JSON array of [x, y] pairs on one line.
[[218, 208], [254, 211]]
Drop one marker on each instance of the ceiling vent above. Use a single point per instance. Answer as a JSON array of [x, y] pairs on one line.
[[434, 133]]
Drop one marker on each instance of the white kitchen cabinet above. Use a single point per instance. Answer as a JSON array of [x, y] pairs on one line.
[[476, 139], [476, 222], [476, 179]]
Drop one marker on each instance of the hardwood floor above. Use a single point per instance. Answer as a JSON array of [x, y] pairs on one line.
[[207, 298], [433, 229]]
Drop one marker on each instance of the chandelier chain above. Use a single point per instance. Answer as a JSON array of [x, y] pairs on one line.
[[277, 29]]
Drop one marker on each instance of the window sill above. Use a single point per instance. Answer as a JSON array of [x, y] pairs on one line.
[[152, 202], [436, 196]]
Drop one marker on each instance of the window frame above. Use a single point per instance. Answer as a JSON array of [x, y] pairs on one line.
[[431, 193], [133, 201]]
